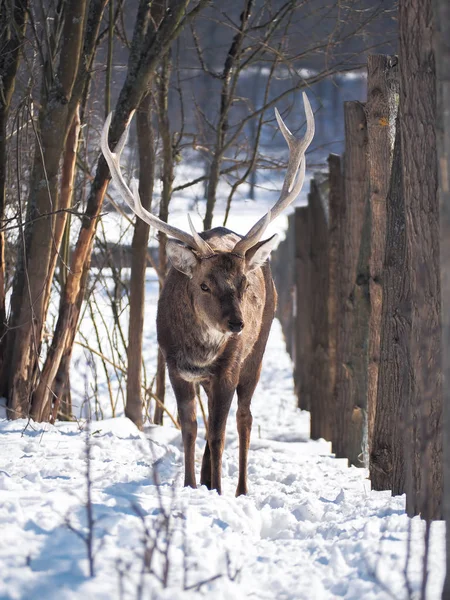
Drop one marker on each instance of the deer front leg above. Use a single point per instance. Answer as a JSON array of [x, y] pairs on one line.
[[185, 395], [219, 407], [244, 421]]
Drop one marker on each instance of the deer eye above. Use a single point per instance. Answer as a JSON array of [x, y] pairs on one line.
[[204, 287]]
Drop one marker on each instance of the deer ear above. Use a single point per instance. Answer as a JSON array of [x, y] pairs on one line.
[[182, 258], [257, 255]]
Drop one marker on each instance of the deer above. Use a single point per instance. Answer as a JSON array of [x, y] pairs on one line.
[[215, 311]]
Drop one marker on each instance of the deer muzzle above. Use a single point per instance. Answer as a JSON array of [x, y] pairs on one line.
[[235, 326]]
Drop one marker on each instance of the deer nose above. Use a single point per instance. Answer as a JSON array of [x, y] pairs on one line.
[[235, 326]]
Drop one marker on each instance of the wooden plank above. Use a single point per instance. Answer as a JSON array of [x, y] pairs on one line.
[[417, 108], [319, 371], [335, 215], [381, 111], [441, 25], [349, 416], [387, 456], [302, 344]]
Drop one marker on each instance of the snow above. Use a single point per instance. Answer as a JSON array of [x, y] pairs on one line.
[[310, 527]]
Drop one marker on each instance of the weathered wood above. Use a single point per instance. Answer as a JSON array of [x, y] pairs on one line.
[[387, 455], [335, 215], [441, 26], [302, 332], [358, 337], [381, 109], [289, 292], [417, 107], [283, 274], [349, 416], [318, 230]]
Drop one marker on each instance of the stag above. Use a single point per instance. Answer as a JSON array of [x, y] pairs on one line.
[[215, 311]]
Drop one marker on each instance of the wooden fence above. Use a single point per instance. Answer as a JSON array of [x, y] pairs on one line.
[[343, 284]]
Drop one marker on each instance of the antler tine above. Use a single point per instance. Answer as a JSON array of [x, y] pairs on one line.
[[202, 245], [293, 181], [132, 197], [297, 149], [253, 236], [124, 137]]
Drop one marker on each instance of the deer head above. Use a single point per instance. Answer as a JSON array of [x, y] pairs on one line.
[[185, 257]]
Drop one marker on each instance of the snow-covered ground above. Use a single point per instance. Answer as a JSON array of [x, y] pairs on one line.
[[310, 527]]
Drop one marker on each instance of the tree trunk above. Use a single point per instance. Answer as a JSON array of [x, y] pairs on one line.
[[67, 181], [417, 126], [62, 406], [28, 304], [13, 21], [146, 142], [226, 101], [42, 393], [349, 416], [441, 26], [166, 195], [381, 109], [318, 278]]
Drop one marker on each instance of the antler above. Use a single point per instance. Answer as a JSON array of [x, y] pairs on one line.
[[131, 197], [291, 187]]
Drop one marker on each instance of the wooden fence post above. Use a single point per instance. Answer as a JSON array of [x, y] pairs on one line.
[[283, 274], [417, 108], [335, 215], [387, 455], [366, 298], [441, 25], [302, 341], [319, 372], [289, 291], [381, 110], [348, 417]]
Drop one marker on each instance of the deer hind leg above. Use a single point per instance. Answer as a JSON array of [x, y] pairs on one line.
[[185, 395], [248, 380], [205, 476]]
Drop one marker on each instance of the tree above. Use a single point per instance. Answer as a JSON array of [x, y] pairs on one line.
[[59, 98], [68, 60], [13, 19], [146, 141]]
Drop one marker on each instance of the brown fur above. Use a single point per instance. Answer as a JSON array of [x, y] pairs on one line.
[[194, 335], [217, 288]]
